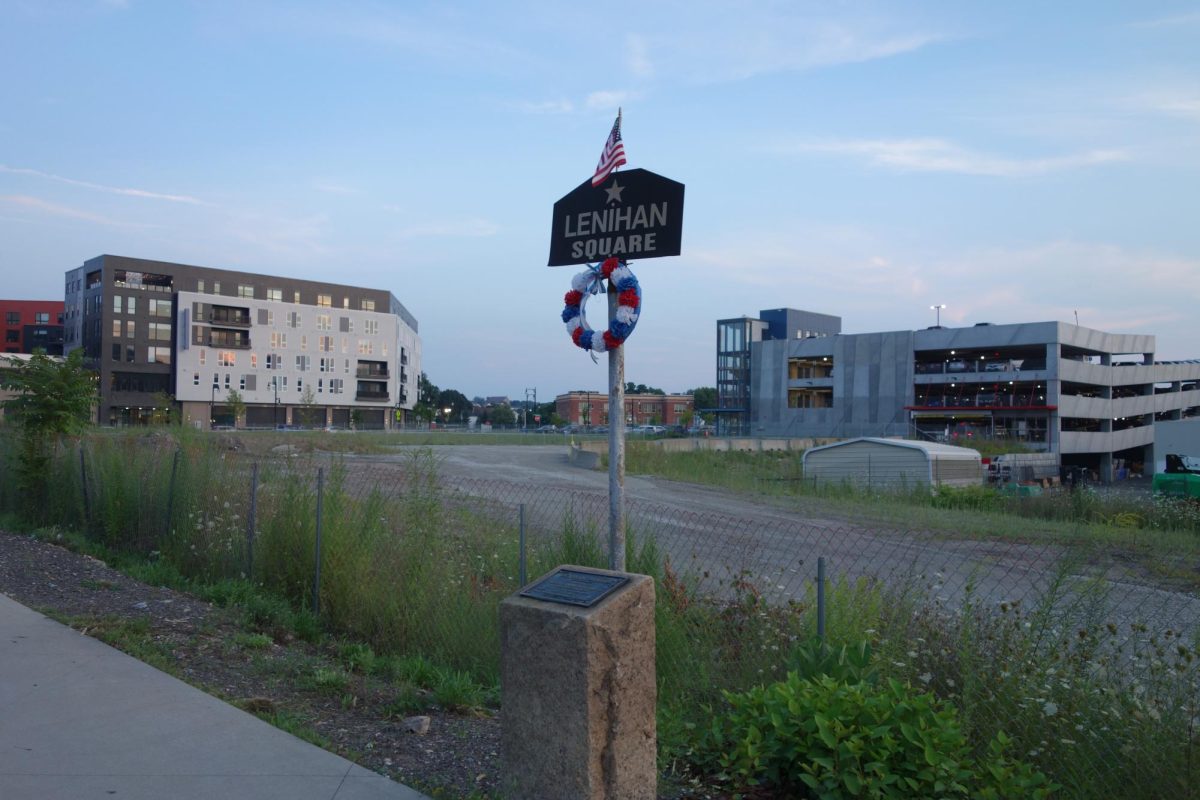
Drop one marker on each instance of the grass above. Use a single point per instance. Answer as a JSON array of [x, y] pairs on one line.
[[412, 579]]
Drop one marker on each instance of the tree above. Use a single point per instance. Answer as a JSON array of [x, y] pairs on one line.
[[427, 395], [165, 411], [308, 403], [641, 388], [454, 400], [237, 406], [703, 397], [503, 416], [53, 398]]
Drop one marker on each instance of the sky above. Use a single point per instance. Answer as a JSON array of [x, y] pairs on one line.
[[1013, 162]]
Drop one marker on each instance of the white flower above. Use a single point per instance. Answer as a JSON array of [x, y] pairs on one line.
[[1050, 709], [925, 677]]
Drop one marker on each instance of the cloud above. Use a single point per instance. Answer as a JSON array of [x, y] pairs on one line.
[[545, 106], [128, 192], [637, 56], [609, 100], [471, 228], [56, 210], [1173, 21], [939, 155]]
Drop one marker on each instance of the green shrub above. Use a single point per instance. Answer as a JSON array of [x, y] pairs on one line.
[[835, 739]]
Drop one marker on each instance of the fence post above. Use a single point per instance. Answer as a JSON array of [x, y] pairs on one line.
[[316, 591], [251, 521], [821, 598], [171, 491], [521, 541], [87, 503]]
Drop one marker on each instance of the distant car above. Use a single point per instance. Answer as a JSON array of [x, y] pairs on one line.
[[957, 365], [996, 366], [547, 429]]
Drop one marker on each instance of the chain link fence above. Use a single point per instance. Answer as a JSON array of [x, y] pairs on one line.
[[1083, 651]]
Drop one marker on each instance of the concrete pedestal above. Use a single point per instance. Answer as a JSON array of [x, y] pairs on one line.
[[578, 696]]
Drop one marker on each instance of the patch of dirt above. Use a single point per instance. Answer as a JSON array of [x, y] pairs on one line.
[[209, 648], [198, 643]]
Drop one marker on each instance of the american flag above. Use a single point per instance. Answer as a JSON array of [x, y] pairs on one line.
[[613, 155]]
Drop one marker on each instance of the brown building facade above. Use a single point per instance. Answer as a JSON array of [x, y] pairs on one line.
[[591, 408]]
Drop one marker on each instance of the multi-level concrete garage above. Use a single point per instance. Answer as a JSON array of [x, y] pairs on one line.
[[1089, 396], [296, 351]]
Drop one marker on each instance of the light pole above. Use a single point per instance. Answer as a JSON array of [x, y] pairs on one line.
[[275, 386], [938, 308], [212, 399], [446, 416]]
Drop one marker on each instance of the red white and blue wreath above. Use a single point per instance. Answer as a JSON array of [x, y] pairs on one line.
[[629, 304]]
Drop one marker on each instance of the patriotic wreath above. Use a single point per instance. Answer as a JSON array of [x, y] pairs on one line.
[[629, 303]]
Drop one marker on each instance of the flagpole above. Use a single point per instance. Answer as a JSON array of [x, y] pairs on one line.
[[616, 445]]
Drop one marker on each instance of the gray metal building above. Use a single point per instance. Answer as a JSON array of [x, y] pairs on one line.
[[1087, 395]]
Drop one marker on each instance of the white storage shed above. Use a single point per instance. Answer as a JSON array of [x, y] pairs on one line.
[[893, 464]]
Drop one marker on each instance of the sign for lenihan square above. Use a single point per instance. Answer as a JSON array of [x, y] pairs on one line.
[[631, 215]]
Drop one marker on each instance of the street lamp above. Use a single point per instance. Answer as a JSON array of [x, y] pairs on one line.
[[938, 308], [275, 386], [212, 398], [446, 416]]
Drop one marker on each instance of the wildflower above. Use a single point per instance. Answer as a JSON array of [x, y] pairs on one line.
[[1050, 709]]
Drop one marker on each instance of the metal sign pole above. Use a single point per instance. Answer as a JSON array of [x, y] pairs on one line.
[[616, 447]]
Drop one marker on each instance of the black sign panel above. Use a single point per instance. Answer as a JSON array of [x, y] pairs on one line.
[[632, 215], [576, 588]]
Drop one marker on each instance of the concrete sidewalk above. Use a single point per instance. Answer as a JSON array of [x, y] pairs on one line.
[[79, 719]]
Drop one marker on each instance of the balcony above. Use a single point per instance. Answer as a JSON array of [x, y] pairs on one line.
[[230, 340], [372, 395], [229, 317], [372, 373]]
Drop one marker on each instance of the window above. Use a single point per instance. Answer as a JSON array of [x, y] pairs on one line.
[[349, 326], [320, 385], [323, 365], [160, 308], [14, 317], [227, 358], [365, 347], [345, 344], [253, 361], [278, 340], [242, 383], [371, 326], [116, 329], [195, 379], [323, 322], [226, 380], [41, 318], [296, 297], [116, 352], [216, 287], [200, 285], [116, 306], [347, 366], [345, 302], [270, 317], [303, 342], [245, 291], [160, 331], [293, 319], [202, 352], [158, 355], [272, 361], [368, 305], [275, 295], [299, 384], [325, 344], [302, 363], [324, 300], [130, 305], [335, 385], [130, 357], [130, 328]]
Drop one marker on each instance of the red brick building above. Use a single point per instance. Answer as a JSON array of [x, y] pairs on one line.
[[591, 408], [30, 324]]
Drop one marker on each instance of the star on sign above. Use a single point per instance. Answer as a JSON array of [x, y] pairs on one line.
[[614, 192]]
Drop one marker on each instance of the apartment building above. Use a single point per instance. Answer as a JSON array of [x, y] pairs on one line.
[[32, 325], [1091, 397], [297, 352]]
